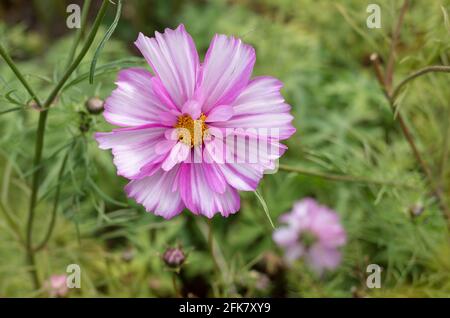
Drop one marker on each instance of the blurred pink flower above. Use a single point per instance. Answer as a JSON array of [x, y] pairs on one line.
[[312, 231], [176, 123], [56, 286]]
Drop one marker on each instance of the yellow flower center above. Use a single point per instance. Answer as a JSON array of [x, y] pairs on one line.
[[191, 131]]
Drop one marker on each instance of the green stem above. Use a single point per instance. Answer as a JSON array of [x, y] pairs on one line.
[[39, 143], [425, 70], [436, 189], [211, 246], [11, 222], [389, 75], [80, 56], [175, 285], [55, 205], [12, 110], [446, 150], [80, 31], [224, 276], [391, 94], [19, 75], [340, 177], [105, 39], [34, 190]]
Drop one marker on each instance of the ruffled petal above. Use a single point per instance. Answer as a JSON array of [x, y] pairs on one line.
[[134, 102], [200, 198], [173, 57], [243, 177], [260, 106], [217, 181], [156, 193], [234, 165], [261, 96], [133, 148], [225, 72], [177, 154]]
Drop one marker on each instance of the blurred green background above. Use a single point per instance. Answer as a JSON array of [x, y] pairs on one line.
[[320, 51]]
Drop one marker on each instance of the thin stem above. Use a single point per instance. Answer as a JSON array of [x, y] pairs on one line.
[[19, 75], [425, 70], [80, 56], [219, 260], [55, 205], [425, 168], [80, 31], [12, 223], [35, 185], [10, 110], [340, 177], [105, 39], [375, 59], [175, 285], [211, 246], [445, 150], [39, 143], [391, 94], [389, 75]]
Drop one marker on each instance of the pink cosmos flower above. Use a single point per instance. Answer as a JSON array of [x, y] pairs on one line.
[[56, 286], [313, 231], [177, 124]]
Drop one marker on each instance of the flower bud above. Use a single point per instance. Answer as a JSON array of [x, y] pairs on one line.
[[85, 121], [128, 255], [416, 210], [174, 257], [94, 105], [261, 280]]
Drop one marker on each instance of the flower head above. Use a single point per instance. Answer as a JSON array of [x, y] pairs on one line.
[[312, 231], [194, 134], [56, 286]]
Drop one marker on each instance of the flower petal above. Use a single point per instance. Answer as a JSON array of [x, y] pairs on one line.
[[261, 106], [133, 148], [262, 95], [322, 258], [164, 146], [177, 154], [134, 102], [193, 108], [225, 72], [200, 198], [156, 193], [173, 57], [215, 178], [243, 176], [220, 113]]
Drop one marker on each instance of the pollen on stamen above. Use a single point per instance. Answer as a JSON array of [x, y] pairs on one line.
[[190, 131]]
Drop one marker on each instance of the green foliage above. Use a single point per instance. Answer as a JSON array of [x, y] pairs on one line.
[[320, 50]]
